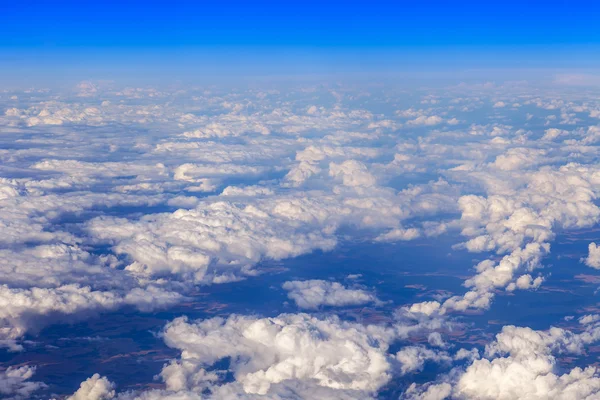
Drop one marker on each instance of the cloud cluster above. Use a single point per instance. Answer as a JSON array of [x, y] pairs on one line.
[[289, 356], [519, 219], [522, 364], [24, 309], [314, 293], [15, 383], [279, 351], [76, 189], [135, 197]]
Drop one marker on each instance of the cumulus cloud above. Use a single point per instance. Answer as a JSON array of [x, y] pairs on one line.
[[133, 197], [269, 351], [426, 307], [94, 388], [521, 364], [322, 183], [399, 234], [290, 356], [553, 133], [519, 219], [593, 258], [15, 383], [413, 358], [426, 120], [313, 294], [24, 309], [352, 173], [205, 242], [229, 236]]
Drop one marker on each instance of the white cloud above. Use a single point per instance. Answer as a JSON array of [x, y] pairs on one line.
[[593, 258], [88, 222], [24, 309], [432, 392], [291, 356], [521, 364], [426, 120], [352, 173], [553, 133], [399, 234], [15, 383], [94, 388], [283, 350], [525, 282], [413, 358], [426, 307], [313, 294]]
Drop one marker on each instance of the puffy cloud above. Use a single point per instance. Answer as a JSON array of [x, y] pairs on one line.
[[413, 358], [313, 159], [289, 356], [15, 383], [352, 173], [291, 348], [426, 307], [518, 158], [399, 234], [86, 88], [289, 390], [553, 133], [525, 282], [52, 282], [229, 236], [426, 120], [301, 172], [24, 309], [221, 130], [521, 364], [97, 230], [519, 219], [195, 172], [94, 388], [212, 238], [247, 191], [312, 110], [312, 294], [432, 392], [593, 258], [527, 372]]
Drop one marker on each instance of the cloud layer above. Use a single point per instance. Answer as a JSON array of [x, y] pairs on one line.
[[140, 198]]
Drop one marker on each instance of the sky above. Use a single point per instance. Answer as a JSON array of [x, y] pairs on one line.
[[137, 24], [184, 38], [316, 200]]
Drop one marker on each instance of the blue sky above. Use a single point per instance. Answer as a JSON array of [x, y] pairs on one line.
[[107, 39], [137, 24]]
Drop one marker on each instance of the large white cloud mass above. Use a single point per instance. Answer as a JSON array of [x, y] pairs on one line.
[[138, 197], [269, 351], [288, 356]]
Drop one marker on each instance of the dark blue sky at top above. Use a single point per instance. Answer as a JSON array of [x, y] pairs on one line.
[[296, 23], [105, 39]]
